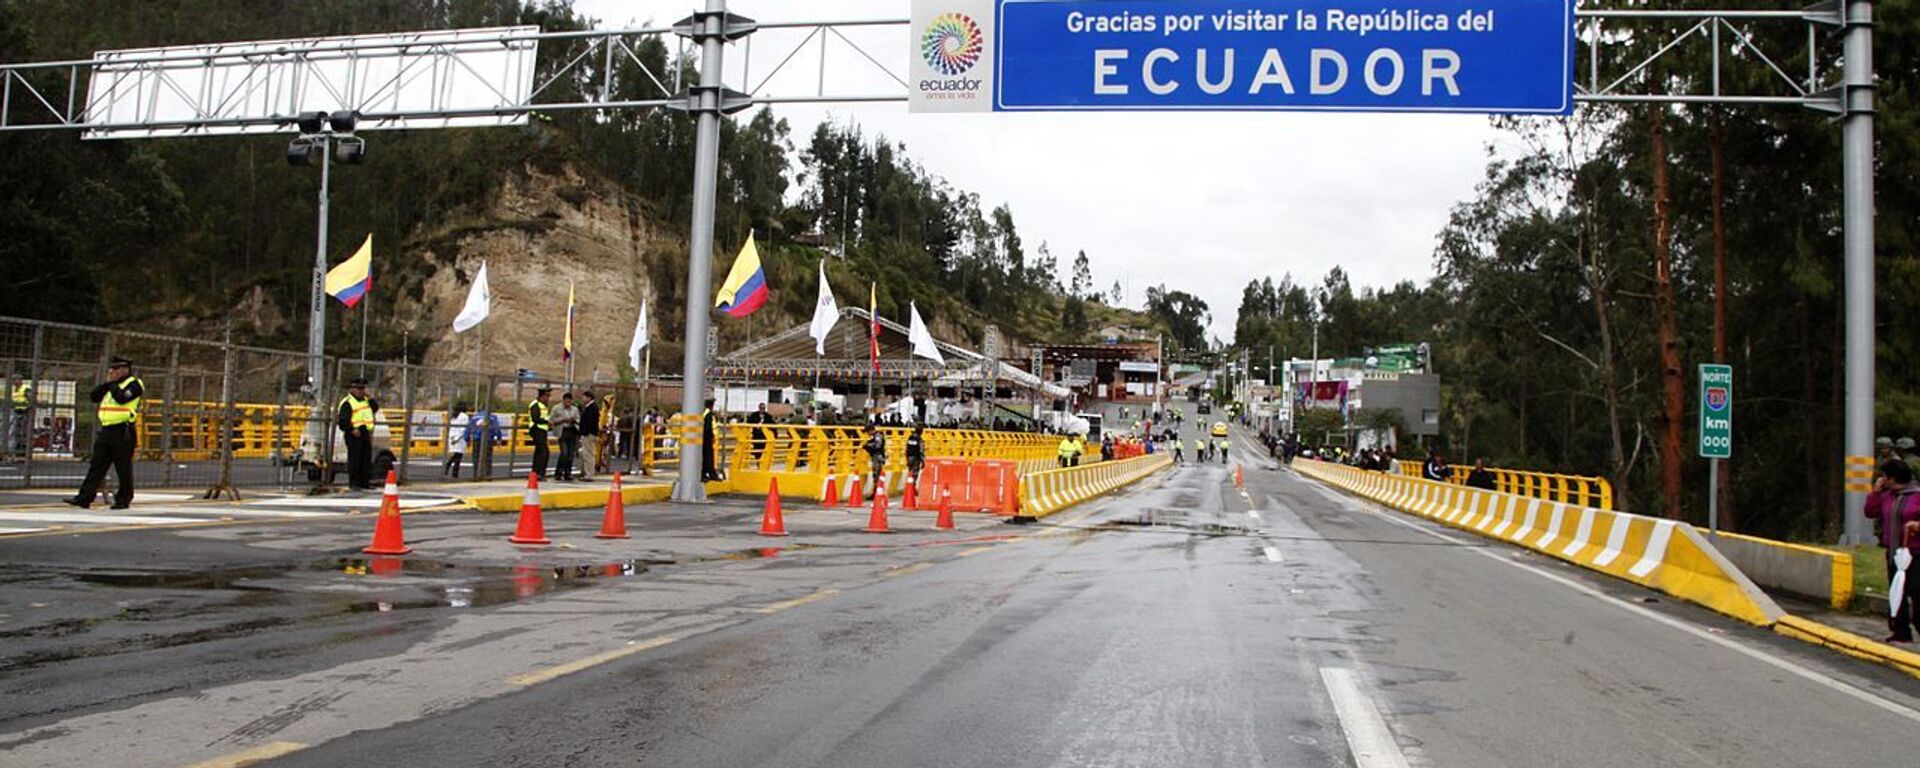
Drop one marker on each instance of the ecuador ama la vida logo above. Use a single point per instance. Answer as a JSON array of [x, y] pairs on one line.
[[952, 45]]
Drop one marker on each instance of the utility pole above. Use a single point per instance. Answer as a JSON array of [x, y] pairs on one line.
[[711, 29], [1857, 184]]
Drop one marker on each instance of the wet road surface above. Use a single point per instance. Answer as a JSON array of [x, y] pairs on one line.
[[1179, 622]]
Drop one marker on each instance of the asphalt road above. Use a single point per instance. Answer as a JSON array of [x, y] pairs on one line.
[[1180, 622]]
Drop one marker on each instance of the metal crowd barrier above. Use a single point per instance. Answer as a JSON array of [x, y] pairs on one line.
[[1567, 489]]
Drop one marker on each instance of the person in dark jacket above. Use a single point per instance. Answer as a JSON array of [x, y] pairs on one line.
[[590, 417], [709, 469], [119, 409], [1895, 503], [876, 448], [916, 453], [1436, 468], [1480, 477]]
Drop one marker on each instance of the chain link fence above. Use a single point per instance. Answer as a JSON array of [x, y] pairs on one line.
[[218, 415]]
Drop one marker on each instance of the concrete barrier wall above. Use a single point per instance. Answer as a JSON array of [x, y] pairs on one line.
[[1046, 492], [1821, 574], [1663, 554]]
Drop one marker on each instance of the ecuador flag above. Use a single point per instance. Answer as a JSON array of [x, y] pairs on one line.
[[746, 286], [351, 281]]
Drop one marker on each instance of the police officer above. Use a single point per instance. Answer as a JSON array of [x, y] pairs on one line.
[[355, 417], [876, 448], [916, 452], [1066, 451], [119, 407], [22, 401], [538, 422]]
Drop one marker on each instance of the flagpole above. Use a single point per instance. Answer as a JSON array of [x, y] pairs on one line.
[[364, 311]]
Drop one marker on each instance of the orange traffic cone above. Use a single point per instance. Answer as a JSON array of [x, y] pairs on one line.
[[531, 530], [614, 525], [772, 523], [911, 498], [854, 496], [387, 538], [877, 522], [1239, 479], [831, 496], [944, 522]]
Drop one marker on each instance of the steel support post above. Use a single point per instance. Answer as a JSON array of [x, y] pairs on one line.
[[711, 29], [1857, 185], [317, 317]]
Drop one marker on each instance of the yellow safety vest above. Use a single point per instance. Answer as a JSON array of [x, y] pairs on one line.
[[21, 395], [362, 411], [1066, 447], [537, 415], [113, 413], [1199, 444]]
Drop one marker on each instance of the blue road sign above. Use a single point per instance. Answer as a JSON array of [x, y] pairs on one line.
[[1500, 56]]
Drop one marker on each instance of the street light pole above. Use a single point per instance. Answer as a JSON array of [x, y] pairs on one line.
[[1857, 187], [317, 317]]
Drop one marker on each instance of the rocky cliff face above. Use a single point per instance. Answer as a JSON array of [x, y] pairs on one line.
[[541, 232]]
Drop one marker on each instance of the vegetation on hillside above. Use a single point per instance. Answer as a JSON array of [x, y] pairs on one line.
[[1546, 315]]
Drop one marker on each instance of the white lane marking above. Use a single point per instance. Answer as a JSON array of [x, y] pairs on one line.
[[4, 531], [1253, 513], [1368, 737], [81, 517], [1815, 677], [361, 502], [1273, 555]]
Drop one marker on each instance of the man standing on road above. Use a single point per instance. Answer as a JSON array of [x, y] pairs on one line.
[[589, 436], [355, 417], [567, 419], [539, 414], [456, 443], [22, 403], [876, 448], [709, 469], [119, 399], [1895, 503], [916, 452]]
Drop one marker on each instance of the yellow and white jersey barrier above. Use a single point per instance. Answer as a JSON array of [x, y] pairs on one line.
[[1666, 555], [1049, 491]]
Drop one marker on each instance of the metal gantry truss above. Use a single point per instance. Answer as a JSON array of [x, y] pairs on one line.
[[62, 95]]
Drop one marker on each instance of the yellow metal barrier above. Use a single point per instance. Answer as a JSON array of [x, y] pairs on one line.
[[1567, 489], [802, 457]]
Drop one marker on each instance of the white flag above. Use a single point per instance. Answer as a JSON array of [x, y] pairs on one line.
[[639, 337], [479, 303], [922, 340], [825, 314]]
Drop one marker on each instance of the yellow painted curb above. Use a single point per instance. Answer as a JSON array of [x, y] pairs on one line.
[[584, 498], [1848, 643]]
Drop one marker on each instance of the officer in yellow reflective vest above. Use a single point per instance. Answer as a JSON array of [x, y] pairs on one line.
[[539, 414], [356, 418], [119, 408], [22, 403]]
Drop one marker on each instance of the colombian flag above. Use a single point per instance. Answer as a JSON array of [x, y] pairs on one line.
[[566, 341], [351, 281], [746, 286]]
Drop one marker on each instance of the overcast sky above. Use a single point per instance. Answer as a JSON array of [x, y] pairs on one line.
[[1202, 202]]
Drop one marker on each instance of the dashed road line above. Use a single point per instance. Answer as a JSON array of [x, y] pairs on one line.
[[1274, 556], [259, 754], [560, 670], [797, 602], [907, 570], [1368, 737]]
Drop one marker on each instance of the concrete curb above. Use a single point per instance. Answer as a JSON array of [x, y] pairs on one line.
[[1661, 554], [1814, 632], [1051, 491], [582, 498]]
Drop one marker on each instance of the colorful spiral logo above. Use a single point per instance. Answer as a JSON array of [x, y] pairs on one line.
[[952, 43]]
